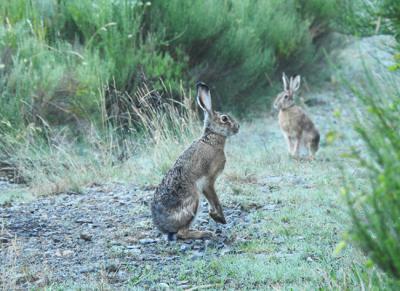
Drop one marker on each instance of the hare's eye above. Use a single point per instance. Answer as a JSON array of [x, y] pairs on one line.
[[224, 118], [286, 96]]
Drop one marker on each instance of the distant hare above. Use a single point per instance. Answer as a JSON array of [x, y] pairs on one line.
[[176, 199], [296, 126]]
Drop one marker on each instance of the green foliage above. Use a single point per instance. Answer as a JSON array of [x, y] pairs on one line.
[[238, 45], [57, 57], [390, 9], [375, 210], [368, 17]]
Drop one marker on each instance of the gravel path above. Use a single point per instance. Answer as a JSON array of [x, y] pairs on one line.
[[104, 234]]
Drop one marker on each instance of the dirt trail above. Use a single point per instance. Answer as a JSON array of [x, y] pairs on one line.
[[105, 233]]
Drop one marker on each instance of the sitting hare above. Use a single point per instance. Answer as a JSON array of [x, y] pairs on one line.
[[176, 199], [296, 126]]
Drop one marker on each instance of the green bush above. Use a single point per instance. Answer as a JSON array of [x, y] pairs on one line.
[[238, 45], [369, 17], [390, 10], [375, 208], [57, 58]]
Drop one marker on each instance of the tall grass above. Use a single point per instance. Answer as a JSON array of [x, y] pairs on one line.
[[52, 161]]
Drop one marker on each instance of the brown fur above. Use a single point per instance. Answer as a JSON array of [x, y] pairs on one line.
[[296, 126], [176, 199]]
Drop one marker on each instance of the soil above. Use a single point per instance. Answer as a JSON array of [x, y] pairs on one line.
[[105, 233]]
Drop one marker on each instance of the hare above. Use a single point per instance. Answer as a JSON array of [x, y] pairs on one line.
[[176, 199], [296, 126]]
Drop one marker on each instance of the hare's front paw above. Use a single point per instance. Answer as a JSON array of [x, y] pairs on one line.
[[217, 217]]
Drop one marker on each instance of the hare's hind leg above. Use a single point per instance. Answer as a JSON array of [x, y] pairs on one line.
[[313, 146], [193, 234]]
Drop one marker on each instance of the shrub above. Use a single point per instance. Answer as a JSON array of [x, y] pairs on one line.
[[390, 9], [58, 56], [66, 54], [238, 45], [375, 208]]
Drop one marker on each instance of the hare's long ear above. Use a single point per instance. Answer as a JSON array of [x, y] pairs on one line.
[[204, 97], [295, 84], [285, 82]]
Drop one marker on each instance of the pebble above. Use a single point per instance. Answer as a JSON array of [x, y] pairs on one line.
[[61, 240], [83, 220], [135, 251], [146, 241], [88, 270], [184, 247], [131, 247], [112, 268], [85, 236], [4, 240]]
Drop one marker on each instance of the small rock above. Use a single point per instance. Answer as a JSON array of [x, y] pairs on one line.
[[4, 240], [112, 268], [197, 247], [309, 259], [146, 241], [269, 207], [56, 239], [87, 270], [85, 236], [83, 220], [135, 251], [131, 247], [64, 253], [184, 247]]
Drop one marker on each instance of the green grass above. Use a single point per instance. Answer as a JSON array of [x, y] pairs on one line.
[[298, 217], [291, 244]]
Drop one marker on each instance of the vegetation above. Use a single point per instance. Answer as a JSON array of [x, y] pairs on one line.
[[95, 91], [61, 61], [375, 209]]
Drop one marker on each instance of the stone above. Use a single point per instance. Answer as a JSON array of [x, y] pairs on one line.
[[85, 236], [146, 241]]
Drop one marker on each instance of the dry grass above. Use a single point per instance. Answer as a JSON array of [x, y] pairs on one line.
[[54, 160]]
